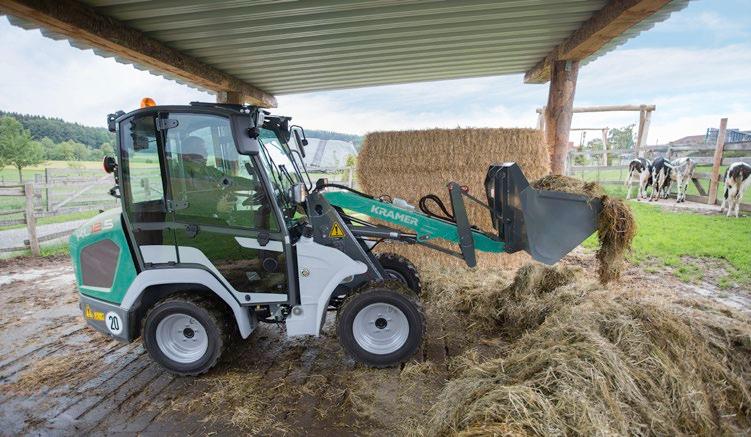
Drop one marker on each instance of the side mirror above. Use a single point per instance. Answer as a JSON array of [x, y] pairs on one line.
[[299, 140], [298, 193], [109, 164]]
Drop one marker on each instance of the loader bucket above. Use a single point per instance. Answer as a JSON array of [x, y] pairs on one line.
[[546, 224]]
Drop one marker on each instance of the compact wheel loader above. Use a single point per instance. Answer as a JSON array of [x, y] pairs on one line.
[[221, 228]]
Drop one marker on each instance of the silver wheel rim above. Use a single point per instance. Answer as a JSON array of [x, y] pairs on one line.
[[393, 274], [182, 338], [380, 328]]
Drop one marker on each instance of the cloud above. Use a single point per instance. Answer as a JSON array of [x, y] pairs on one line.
[[46, 77]]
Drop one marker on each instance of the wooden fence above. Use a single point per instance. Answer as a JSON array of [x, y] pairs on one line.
[[707, 183], [57, 192]]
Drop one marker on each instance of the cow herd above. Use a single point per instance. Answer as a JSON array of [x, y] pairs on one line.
[[660, 175]]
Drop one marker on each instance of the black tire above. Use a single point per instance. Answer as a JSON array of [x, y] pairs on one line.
[[205, 312], [390, 293], [401, 269]]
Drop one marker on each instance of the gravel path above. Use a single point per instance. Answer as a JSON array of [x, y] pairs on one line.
[[15, 237]]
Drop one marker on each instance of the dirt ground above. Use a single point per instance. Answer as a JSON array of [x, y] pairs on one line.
[[59, 377]]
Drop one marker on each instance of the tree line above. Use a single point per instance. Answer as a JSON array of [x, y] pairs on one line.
[[59, 130], [20, 148]]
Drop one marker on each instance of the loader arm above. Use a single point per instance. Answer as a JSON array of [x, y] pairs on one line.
[[545, 224], [426, 228]]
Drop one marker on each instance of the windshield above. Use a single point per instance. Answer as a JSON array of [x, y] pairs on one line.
[[279, 166]]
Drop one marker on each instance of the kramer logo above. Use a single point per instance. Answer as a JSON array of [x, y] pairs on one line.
[[397, 216]]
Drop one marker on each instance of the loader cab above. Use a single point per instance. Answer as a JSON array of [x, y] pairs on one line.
[[191, 198]]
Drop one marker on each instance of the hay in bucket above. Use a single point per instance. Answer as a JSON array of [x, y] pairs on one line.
[[411, 164], [598, 363], [616, 226]]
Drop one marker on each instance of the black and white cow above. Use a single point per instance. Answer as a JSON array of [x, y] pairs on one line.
[[737, 180], [681, 174], [639, 169], [661, 169]]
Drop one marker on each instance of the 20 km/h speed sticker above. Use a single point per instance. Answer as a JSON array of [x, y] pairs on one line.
[[114, 323]]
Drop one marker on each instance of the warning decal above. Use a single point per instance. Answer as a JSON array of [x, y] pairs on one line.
[[336, 231]]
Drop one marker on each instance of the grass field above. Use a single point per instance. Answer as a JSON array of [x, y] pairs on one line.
[[680, 240]]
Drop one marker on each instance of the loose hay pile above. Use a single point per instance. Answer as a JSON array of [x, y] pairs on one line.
[[616, 226], [411, 164], [586, 361]]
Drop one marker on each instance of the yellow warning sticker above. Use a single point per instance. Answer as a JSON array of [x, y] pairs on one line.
[[336, 231], [94, 315]]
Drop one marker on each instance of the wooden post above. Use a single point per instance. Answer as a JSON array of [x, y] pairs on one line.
[[31, 221], [47, 188], [559, 111], [605, 146], [714, 182]]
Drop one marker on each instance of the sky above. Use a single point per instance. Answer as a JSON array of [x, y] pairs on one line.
[[695, 67]]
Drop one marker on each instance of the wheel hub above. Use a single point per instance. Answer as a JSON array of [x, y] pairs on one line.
[[380, 328], [182, 338]]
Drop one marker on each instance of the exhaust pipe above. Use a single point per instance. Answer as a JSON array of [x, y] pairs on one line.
[[546, 224]]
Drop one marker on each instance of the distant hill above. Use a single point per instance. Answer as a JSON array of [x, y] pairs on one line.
[[328, 135], [59, 130]]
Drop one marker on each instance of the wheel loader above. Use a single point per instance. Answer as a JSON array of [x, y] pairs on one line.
[[221, 229]]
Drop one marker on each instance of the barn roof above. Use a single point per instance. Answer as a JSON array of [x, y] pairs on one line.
[[288, 46]]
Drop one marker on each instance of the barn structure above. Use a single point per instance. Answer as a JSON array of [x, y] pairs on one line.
[[248, 51]]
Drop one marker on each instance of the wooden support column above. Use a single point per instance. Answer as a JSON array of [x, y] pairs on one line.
[[714, 182], [559, 112]]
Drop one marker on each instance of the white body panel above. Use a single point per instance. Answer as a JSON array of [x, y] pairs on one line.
[[188, 276], [321, 269], [162, 254]]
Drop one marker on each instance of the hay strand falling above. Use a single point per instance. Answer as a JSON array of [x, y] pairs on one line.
[[616, 226]]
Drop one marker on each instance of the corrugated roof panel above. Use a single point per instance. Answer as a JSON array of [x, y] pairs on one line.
[[286, 46]]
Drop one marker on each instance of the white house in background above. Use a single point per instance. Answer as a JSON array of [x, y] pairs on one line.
[[328, 154]]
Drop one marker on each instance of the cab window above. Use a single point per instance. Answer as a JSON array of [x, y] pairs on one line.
[[211, 182]]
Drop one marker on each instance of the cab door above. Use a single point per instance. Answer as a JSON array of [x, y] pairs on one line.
[[223, 218]]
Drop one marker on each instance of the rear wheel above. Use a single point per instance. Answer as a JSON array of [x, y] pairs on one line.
[[381, 325], [185, 334], [399, 268]]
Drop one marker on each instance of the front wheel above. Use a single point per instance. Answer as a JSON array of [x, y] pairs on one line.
[[185, 334], [381, 325]]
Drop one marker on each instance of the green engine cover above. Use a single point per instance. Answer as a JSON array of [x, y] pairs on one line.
[[101, 257]]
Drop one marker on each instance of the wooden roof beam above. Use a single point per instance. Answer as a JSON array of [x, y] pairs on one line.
[[82, 23], [605, 25]]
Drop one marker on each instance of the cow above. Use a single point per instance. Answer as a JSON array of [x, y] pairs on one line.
[[737, 180], [661, 169], [639, 169], [681, 173]]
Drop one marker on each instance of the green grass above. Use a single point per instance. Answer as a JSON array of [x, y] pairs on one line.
[[681, 240]]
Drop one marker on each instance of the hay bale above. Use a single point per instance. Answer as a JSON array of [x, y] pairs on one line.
[[616, 226], [411, 164], [606, 364]]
